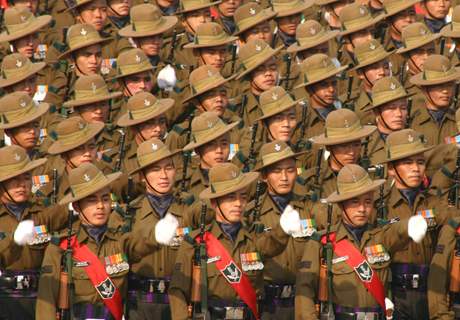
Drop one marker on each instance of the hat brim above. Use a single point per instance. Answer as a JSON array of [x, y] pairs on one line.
[[248, 178], [120, 76], [327, 37], [364, 132], [407, 154], [57, 147], [216, 134], [40, 22], [419, 81], [447, 32], [199, 7], [293, 11], [363, 26], [129, 32], [405, 5], [284, 108], [260, 62], [165, 105], [433, 37], [259, 166], [373, 60], [325, 2], [335, 197], [268, 14], [36, 67], [77, 5], [174, 153], [323, 77], [83, 102], [229, 39], [111, 178], [85, 45], [42, 108], [29, 167], [212, 86], [372, 106]]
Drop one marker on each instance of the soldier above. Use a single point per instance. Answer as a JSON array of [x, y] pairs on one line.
[[371, 64], [100, 253], [417, 44], [277, 164], [259, 72], [151, 276], [435, 13], [346, 267], [390, 108], [451, 35], [434, 116], [18, 205], [118, 12], [330, 12], [225, 14], [342, 138], [408, 197], [232, 281], [253, 22]]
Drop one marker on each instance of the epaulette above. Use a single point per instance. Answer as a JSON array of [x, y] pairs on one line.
[[2, 235], [189, 200], [53, 89], [241, 157], [106, 158], [61, 47], [178, 129], [454, 224], [317, 235]]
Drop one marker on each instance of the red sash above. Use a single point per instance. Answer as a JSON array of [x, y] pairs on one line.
[[363, 270], [231, 272], [96, 273]]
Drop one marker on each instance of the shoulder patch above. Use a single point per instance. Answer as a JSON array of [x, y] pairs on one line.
[[46, 269], [178, 129], [304, 264], [440, 248]]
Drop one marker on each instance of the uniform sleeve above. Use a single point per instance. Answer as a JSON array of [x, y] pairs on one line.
[[271, 244], [48, 287], [141, 242], [438, 278], [181, 281], [55, 217], [396, 236], [307, 282], [9, 251]]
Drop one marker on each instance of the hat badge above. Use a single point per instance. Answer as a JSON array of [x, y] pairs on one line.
[[258, 48], [81, 125], [83, 32], [346, 123], [252, 11], [86, 177], [146, 103], [23, 18], [18, 63], [274, 96], [234, 174], [138, 59], [444, 68], [372, 46], [277, 147], [422, 31], [17, 157], [154, 147], [93, 87], [209, 124], [410, 138], [210, 74], [362, 11], [312, 31], [325, 63], [392, 86]]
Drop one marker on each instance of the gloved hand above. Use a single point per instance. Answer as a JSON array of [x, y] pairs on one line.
[[167, 78], [290, 220], [416, 228], [165, 229], [24, 232]]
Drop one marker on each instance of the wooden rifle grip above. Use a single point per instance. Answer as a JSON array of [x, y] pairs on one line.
[[196, 283], [63, 297], [322, 290], [455, 274]]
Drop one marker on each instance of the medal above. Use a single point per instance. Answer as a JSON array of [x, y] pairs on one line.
[[41, 235], [180, 234], [307, 228], [251, 261], [429, 216], [452, 140], [116, 263], [376, 254]]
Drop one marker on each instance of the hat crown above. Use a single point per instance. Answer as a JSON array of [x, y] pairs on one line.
[[253, 48], [92, 83], [206, 121], [341, 120], [209, 29], [387, 89], [13, 156], [70, 126], [274, 99], [202, 74], [81, 33], [145, 12], [317, 64], [15, 101], [352, 12], [85, 174], [456, 14], [190, 4], [352, 178], [141, 100], [415, 30], [368, 48], [131, 57], [309, 29], [274, 151], [247, 11], [224, 172], [149, 147], [17, 16], [15, 61], [437, 63], [404, 141]]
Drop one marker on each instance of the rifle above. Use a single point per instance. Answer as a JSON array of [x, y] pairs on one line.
[[365, 162], [326, 311], [251, 156], [203, 263], [128, 217], [454, 189], [442, 45], [455, 101], [54, 194], [402, 73], [65, 296], [303, 127], [233, 49], [121, 152], [170, 57], [186, 156], [255, 212], [287, 58], [409, 110], [348, 103], [317, 188], [381, 207]]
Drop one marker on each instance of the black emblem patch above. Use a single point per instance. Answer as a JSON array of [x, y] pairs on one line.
[[232, 273], [364, 271], [106, 289]]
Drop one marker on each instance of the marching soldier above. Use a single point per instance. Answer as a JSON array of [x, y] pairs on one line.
[[346, 267], [253, 22], [233, 279], [225, 14], [150, 277], [451, 35], [399, 14], [435, 14], [118, 12], [96, 253]]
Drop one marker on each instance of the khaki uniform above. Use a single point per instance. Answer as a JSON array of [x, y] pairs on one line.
[[376, 148], [327, 180], [362, 104]]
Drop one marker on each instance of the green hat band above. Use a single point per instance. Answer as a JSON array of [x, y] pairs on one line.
[[18, 114], [93, 93]]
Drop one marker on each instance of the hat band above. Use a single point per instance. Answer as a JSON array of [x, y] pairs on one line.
[[255, 59], [418, 40], [275, 156], [9, 168], [82, 188], [386, 96], [17, 72], [249, 21], [281, 6], [205, 39], [354, 186], [79, 40], [221, 186], [342, 132], [307, 40], [455, 26], [394, 6], [374, 55], [70, 138], [144, 112], [153, 157], [356, 23], [18, 114], [436, 75], [205, 83], [277, 105], [190, 5], [312, 75], [133, 68], [150, 25], [94, 93], [401, 149], [13, 28], [203, 135]]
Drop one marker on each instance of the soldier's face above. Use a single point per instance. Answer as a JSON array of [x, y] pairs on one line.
[[403, 19], [196, 18], [96, 112], [408, 172], [357, 38], [262, 31], [95, 209], [19, 188], [94, 13], [150, 45], [153, 128], [345, 153], [166, 3], [214, 152], [32, 5], [265, 76], [374, 72], [440, 95], [26, 135], [392, 116], [213, 56], [438, 9], [215, 100], [281, 126], [324, 93], [160, 176], [281, 176], [137, 83], [230, 208], [89, 59], [417, 57], [85, 153], [289, 24], [26, 45], [228, 7], [357, 211], [120, 7], [28, 85]]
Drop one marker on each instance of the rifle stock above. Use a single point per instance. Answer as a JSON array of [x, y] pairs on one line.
[[65, 299]]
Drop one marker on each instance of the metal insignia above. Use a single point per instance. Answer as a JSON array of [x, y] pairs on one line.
[[86, 177], [81, 125], [210, 74], [364, 272], [234, 174], [362, 11], [17, 157], [232, 273], [154, 147], [138, 59], [146, 102], [392, 86], [94, 87], [258, 48], [346, 123], [410, 138], [22, 103], [23, 18], [18, 63], [209, 124], [372, 46], [274, 96], [422, 31], [312, 31], [106, 289], [277, 147], [83, 32], [252, 11]]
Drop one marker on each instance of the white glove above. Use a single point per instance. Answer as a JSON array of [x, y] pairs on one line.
[[24, 232], [389, 306], [416, 228], [165, 229], [290, 220], [166, 78]]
